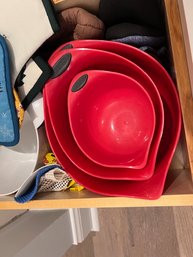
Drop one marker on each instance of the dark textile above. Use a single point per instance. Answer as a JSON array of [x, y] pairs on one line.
[[144, 12]]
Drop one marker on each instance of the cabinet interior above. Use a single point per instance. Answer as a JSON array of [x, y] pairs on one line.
[[178, 188]]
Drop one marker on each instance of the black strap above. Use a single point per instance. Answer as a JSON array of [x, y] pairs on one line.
[[51, 15], [40, 83]]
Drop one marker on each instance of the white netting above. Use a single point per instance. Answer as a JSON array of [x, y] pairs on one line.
[[54, 180]]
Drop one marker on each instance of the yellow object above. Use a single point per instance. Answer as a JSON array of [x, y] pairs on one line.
[[71, 183], [50, 159], [19, 108], [76, 188], [73, 186], [89, 5]]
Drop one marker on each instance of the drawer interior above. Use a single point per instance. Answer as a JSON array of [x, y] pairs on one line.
[[178, 188]]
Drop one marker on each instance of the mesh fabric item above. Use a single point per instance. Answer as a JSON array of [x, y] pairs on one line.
[[54, 180]]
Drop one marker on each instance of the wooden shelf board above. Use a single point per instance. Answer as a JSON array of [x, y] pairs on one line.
[[181, 70], [178, 192]]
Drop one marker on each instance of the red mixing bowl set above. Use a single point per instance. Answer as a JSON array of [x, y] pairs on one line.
[[112, 117]]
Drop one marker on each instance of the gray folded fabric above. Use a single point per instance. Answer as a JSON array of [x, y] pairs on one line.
[[125, 29], [140, 41]]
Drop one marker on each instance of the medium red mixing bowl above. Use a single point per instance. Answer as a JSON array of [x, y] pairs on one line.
[[56, 91]]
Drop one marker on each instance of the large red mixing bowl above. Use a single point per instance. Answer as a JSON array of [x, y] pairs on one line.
[[153, 187]]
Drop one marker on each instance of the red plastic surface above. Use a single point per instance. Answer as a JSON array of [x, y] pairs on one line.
[[58, 89], [153, 187], [112, 118]]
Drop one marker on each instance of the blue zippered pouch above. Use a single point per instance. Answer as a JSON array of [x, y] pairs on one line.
[[9, 125]]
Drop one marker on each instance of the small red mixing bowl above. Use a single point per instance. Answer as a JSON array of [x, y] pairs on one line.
[[112, 118]]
